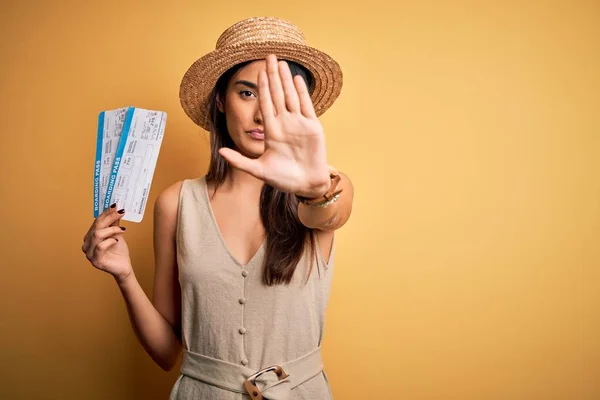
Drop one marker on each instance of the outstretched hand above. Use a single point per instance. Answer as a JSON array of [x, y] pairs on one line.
[[294, 159]]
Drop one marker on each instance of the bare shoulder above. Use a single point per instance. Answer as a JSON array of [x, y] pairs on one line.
[[167, 201], [165, 224]]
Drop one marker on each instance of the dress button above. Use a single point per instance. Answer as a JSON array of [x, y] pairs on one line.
[[244, 273], [242, 300], [244, 361], [242, 330]]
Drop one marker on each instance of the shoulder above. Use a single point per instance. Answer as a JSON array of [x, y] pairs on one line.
[[168, 198], [166, 207]]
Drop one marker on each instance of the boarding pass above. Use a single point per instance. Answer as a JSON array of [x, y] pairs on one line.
[[127, 148]]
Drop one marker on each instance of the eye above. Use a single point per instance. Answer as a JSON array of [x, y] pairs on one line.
[[246, 93]]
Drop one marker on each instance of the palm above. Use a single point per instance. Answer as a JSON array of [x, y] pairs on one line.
[[294, 156], [294, 159]]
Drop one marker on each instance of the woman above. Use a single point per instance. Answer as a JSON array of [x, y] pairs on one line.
[[243, 255]]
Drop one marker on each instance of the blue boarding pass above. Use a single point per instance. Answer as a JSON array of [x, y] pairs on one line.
[[132, 160], [110, 127]]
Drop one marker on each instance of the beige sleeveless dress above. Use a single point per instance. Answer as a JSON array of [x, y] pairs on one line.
[[233, 325]]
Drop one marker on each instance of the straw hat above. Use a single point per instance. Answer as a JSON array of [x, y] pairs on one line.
[[254, 39]]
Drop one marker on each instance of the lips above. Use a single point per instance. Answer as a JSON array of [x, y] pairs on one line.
[[257, 134]]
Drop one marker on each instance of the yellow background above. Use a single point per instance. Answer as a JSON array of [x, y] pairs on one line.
[[470, 267]]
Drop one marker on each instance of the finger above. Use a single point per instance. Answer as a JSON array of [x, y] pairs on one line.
[[306, 105], [106, 244], [99, 218], [117, 222], [275, 84], [101, 235], [109, 210], [239, 161], [289, 89], [107, 219], [264, 98]]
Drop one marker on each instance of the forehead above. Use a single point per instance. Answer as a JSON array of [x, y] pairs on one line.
[[250, 71]]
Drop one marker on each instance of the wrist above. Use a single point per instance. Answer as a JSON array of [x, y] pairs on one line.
[[124, 280], [330, 195], [314, 191]]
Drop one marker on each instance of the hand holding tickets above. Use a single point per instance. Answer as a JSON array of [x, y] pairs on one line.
[[127, 149]]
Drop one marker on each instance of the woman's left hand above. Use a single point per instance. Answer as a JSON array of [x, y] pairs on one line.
[[294, 159]]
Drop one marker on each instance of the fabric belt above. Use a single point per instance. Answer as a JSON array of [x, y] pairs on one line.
[[273, 383]]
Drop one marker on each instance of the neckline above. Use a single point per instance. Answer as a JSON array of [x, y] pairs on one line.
[[220, 235]]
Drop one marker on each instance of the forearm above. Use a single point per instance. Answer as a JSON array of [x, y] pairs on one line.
[[153, 331], [333, 216], [322, 218]]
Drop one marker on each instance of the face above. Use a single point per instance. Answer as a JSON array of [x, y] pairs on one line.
[[242, 111]]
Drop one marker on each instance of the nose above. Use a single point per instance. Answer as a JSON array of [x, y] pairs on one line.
[[258, 118]]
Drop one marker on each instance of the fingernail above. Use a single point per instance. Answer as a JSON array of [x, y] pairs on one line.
[[123, 228], [113, 206], [121, 211]]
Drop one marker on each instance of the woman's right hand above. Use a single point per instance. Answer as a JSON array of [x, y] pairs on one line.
[[105, 246]]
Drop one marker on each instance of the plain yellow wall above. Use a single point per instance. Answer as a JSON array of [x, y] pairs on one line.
[[469, 269]]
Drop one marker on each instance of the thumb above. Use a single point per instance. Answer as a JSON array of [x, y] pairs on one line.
[[236, 160]]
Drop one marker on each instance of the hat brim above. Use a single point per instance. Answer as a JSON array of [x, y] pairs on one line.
[[200, 79]]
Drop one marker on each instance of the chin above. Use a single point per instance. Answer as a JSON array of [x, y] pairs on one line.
[[252, 149]]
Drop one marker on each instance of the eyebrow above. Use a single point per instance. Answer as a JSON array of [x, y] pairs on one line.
[[247, 83]]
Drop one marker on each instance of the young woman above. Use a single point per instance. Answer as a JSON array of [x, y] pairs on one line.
[[244, 254]]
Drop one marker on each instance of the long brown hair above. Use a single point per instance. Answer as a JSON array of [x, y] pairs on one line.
[[286, 236]]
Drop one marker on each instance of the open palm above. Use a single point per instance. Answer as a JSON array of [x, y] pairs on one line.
[[294, 159]]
